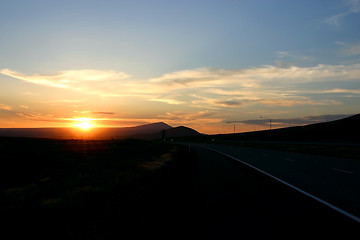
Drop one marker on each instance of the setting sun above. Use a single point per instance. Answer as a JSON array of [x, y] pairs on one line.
[[84, 123]]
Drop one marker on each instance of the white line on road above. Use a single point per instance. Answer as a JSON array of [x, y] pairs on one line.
[[342, 170], [339, 210]]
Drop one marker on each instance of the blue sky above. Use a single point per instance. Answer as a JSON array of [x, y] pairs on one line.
[[195, 63]]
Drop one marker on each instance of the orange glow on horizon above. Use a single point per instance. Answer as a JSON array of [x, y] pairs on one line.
[[84, 123]]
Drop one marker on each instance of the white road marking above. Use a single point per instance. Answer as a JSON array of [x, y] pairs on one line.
[[342, 170], [339, 210]]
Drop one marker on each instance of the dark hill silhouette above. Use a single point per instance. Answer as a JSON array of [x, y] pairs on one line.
[[342, 130], [75, 133], [39, 132], [346, 129], [135, 132], [175, 132], [181, 132], [153, 131]]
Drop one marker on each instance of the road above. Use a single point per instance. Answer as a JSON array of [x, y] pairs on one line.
[[240, 202]]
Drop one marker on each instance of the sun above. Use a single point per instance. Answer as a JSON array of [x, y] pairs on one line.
[[84, 123]]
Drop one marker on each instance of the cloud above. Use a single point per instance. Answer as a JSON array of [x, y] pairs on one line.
[[335, 19], [26, 115], [297, 121], [293, 55], [103, 113], [5, 107], [117, 84], [37, 117], [351, 7], [167, 100], [66, 79], [277, 102], [293, 102], [181, 117], [340, 90], [317, 73], [214, 89], [23, 106], [354, 5], [206, 88], [254, 77], [87, 112], [230, 103], [324, 118], [185, 77], [350, 50], [340, 43], [228, 92]]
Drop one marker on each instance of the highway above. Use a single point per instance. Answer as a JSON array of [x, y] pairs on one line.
[[243, 201]]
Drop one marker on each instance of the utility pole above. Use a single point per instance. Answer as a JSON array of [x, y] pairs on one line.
[[269, 120], [233, 122]]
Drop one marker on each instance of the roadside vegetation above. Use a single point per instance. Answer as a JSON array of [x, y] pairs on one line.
[[75, 189]]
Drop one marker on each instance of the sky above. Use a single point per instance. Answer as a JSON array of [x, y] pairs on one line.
[[205, 64]]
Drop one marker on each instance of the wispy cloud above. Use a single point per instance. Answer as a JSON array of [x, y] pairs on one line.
[[37, 117], [350, 7], [118, 83], [350, 49], [23, 106], [341, 90], [207, 88], [103, 113], [231, 102], [254, 77], [354, 5], [277, 102], [193, 117], [293, 56], [293, 102], [167, 100], [211, 88], [5, 107], [285, 122], [197, 77], [335, 19], [66, 79]]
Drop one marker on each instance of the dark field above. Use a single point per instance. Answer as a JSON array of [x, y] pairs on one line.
[[73, 189], [132, 189], [342, 151]]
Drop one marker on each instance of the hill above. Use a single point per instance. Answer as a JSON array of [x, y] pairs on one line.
[[152, 131], [75, 133], [180, 132], [140, 132], [342, 130]]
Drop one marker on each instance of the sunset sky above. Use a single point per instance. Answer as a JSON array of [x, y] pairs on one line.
[[198, 63]]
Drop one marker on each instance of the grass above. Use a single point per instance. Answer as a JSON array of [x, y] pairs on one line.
[[77, 189]]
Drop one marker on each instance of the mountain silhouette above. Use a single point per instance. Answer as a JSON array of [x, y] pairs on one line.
[[135, 132], [180, 131], [152, 131]]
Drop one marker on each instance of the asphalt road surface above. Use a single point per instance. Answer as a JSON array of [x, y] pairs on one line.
[[239, 202]]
